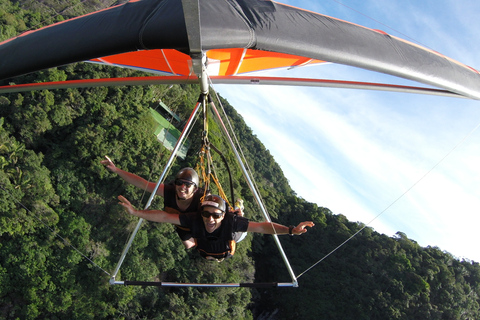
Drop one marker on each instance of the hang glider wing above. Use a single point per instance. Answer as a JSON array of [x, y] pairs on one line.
[[238, 36], [221, 62]]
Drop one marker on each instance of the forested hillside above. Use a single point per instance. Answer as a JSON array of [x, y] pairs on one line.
[[62, 231]]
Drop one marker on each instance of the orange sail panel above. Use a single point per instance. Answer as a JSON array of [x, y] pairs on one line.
[[237, 61], [165, 61], [221, 62]]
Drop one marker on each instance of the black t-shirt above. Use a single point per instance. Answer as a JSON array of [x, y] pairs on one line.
[[217, 244], [170, 205], [170, 199]]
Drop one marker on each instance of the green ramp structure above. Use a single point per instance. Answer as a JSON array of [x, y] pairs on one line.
[[168, 135]]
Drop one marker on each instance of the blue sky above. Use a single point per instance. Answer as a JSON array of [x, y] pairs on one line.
[[413, 159]]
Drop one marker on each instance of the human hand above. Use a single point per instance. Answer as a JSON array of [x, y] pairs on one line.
[[108, 163], [238, 210], [302, 227], [127, 205]]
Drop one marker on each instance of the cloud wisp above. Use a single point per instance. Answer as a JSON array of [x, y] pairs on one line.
[[410, 158]]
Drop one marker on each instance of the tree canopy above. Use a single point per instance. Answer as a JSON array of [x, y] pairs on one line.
[[62, 231]]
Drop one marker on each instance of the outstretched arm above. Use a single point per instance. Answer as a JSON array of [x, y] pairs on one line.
[[151, 215], [275, 228], [131, 178]]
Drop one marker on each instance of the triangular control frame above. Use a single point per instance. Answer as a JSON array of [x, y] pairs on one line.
[[202, 103]]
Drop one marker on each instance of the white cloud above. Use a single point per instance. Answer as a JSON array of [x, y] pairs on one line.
[[361, 152], [357, 159]]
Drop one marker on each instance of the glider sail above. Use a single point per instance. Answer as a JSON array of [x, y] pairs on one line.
[[140, 33], [220, 62]]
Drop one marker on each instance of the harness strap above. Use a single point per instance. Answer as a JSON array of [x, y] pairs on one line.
[[232, 245]]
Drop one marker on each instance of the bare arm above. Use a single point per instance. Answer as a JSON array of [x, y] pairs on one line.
[[151, 215], [275, 228], [131, 178]]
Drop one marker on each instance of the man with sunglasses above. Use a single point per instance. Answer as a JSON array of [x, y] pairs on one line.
[[214, 229], [182, 195]]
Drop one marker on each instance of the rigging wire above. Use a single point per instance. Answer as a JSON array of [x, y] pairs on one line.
[[56, 234], [237, 144], [161, 152], [159, 155], [256, 195], [397, 199], [239, 147]]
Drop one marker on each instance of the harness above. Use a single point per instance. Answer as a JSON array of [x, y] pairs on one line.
[[218, 245], [228, 246]]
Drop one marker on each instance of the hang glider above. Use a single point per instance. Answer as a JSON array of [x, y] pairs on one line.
[[223, 41], [230, 38]]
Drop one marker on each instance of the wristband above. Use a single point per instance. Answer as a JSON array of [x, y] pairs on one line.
[[290, 230]]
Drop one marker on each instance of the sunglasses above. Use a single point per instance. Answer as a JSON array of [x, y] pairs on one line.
[[215, 215], [186, 183]]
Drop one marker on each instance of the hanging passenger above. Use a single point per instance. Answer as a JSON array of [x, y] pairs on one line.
[[214, 229], [181, 195]]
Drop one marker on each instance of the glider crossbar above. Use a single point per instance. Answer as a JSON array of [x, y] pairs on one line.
[[176, 284], [240, 80]]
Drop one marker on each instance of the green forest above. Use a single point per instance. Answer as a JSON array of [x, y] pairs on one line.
[[62, 230]]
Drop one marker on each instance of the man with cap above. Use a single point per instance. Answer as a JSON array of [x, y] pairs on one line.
[[214, 229], [181, 195]]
